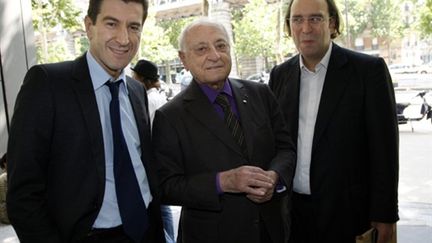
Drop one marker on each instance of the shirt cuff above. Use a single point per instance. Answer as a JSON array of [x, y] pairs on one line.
[[218, 187], [280, 187]]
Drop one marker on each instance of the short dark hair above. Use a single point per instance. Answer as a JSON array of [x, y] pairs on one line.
[[333, 13], [3, 161], [95, 6]]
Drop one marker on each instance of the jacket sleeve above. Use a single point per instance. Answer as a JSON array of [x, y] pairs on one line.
[[179, 187], [284, 161], [383, 140], [28, 160]]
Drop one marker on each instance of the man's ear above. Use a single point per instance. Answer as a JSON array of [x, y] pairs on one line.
[[182, 57], [88, 24], [332, 25]]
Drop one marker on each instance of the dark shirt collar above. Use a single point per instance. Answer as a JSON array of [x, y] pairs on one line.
[[211, 93]]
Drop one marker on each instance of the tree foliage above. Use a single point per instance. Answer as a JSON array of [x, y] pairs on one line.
[[155, 42], [48, 14], [173, 27], [53, 14], [426, 19], [156, 46], [380, 18], [354, 19], [256, 30], [58, 51], [385, 18]]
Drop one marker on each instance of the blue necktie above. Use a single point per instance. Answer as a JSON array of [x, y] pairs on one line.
[[131, 204]]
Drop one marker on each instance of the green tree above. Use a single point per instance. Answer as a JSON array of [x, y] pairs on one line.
[[49, 14], [385, 21], [255, 31], [354, 20], [155, 45], [173, 27], [58, 51], [385, 18], [426, 19]]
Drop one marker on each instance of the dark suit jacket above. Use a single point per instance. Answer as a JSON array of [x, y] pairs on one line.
[[354, 166], [56, 163], [193, 144]]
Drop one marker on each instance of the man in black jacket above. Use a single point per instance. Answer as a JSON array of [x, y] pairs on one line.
[[66, 171], [340, 106]]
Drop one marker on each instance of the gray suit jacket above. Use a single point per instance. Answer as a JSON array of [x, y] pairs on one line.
[[56, 166], [193, 144], [354, 166]]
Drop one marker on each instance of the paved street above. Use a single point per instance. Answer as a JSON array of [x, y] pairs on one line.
[[415, 183], [415, 186]]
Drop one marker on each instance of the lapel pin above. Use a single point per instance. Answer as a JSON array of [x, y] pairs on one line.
[[245, 99]]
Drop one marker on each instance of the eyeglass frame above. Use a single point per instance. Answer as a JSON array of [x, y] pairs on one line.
[[313, 20]]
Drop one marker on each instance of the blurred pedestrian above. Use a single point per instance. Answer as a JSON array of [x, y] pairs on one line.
[[147, 73]]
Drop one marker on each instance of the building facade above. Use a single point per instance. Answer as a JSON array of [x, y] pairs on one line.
[[18, 54]]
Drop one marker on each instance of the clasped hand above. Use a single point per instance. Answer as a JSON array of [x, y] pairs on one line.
[[256, 183]]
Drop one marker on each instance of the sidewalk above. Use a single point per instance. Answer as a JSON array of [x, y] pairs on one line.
[[415, 224]]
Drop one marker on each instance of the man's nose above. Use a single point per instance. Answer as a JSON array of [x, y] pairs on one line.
[[306, 26], [213, 53], [122, 35]]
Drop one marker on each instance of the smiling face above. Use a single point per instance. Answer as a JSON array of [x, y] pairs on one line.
[[115, 37], [207, 54], [311, 39]]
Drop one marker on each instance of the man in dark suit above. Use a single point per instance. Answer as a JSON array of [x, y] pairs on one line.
[[340, 106], [63, 170], [227, 162]]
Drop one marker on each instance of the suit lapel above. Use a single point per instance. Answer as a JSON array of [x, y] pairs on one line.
[[245, 109], [84, 91], [198, 105], [334, 86], [137, 97], [291, 97]]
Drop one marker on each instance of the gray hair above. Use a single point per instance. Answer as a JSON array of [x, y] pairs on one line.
[[203, 21]]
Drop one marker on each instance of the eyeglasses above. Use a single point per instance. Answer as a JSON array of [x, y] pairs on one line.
[[312, 20]]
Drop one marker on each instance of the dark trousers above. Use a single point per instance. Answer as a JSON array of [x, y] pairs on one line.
[[302, 216], [264, 234], [308, 225], [111, 235]]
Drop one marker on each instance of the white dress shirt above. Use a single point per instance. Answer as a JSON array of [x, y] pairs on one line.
[[109, 215], [311, 85]]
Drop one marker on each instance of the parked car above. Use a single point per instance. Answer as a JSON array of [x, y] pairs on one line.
[[408, 68], [262, 77], [402, 68], [425, 68]]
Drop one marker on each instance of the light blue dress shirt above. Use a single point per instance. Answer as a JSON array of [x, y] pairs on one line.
[[109, 215]]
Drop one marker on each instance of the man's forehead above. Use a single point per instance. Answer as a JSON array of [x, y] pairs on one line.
[[111, 9], [309, 7], [206, 34]]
